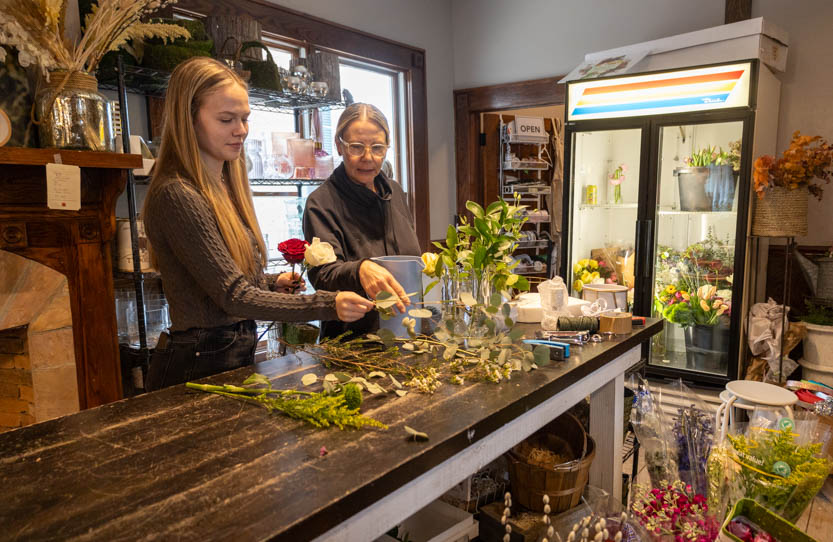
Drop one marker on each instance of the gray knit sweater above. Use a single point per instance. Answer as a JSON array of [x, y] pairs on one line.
[[202, 283]]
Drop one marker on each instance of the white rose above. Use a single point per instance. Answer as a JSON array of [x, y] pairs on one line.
[[319, 253]]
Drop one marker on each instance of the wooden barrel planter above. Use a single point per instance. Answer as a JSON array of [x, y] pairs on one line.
[[555, 461]]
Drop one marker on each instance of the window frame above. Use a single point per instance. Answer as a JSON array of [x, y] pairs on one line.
[[316, 33]]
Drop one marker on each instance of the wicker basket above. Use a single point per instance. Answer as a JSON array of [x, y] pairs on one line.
[[781, 213], [563, 482]]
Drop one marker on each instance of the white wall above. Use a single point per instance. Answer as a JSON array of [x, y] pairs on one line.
[[497, 41], [806, 89], [425, 24]]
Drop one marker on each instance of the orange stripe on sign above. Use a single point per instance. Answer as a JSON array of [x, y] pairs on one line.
[[723, 76]]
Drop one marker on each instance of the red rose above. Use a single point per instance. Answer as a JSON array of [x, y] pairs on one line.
[[293, 250]]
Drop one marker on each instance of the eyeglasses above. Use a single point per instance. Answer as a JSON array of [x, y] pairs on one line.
[[358, 149]]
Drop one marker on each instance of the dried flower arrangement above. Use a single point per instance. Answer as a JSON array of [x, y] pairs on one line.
[[36, 29], [806, 158]]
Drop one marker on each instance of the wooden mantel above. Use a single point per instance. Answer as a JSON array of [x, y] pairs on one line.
[[76, 244]]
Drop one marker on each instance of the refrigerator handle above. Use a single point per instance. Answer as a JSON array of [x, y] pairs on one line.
[[647, 249]]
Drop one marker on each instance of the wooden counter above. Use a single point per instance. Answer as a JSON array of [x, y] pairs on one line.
[[186, 465], [76, 244]]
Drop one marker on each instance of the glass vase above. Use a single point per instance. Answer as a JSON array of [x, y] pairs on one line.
[[74, 115]]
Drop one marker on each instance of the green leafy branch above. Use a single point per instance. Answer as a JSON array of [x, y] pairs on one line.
[[318, 409]]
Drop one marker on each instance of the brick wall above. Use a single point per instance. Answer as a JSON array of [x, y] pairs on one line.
[[16, 394]]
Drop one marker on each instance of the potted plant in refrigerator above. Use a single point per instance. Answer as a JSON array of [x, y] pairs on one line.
[[782, 186], [707, 183], [703, 313]]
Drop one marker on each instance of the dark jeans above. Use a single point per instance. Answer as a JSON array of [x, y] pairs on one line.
[[182, 356]]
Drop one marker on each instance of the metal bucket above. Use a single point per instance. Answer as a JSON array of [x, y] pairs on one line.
[[709, 188], [407, 270]]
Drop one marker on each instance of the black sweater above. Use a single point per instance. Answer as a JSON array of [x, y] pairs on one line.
[[360, 224]]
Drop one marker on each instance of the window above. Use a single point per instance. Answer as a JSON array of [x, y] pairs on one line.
[[279, 208]]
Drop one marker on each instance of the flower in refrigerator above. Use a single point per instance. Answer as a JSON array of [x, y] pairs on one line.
[[616, 179]]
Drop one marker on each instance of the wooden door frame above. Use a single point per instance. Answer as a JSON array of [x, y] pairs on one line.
[[469, 103]]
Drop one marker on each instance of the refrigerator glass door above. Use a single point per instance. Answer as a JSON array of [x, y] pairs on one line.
[[604, 199], [697, 218]]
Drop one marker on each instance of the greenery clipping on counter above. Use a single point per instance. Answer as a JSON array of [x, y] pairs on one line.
[[818, 314], [490, 350], [321, 409]]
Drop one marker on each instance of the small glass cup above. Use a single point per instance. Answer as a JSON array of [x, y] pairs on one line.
[[293, 84], [319, 88]]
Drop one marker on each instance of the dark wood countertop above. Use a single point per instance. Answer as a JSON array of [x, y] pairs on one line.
[[189, 465]]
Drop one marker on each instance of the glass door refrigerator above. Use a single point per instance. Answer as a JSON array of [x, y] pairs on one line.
[[656, 204]]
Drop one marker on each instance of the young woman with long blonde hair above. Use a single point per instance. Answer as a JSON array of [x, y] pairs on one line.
[[205, 238]]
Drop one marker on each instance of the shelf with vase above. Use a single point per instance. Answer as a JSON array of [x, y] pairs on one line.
[[153, 82], [588, 206], [286, 182]]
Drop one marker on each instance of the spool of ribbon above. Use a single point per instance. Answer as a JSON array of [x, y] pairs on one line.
[[616, 322]]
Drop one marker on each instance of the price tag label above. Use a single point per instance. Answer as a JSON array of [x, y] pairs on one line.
[[63, 187]]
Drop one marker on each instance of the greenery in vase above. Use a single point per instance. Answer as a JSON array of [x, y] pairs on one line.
[[36, 29], [486, 244]]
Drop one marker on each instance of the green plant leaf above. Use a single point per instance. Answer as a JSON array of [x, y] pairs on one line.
[[468, 300], [508, 322], [413, 434], [512, 279], [395, 382], [386, 300], [330, 377], [409, 346], [480, 254], [501, 358], [450, 352], [506, 309], [541, 353], [430, 287], [482, 227], [522, 284], [495, 206], [256, 378], [420, 313], [386, 335], [376, 374], [372, 337], [475, 209], [491, 309], [516, 333], [343, 377], [490, 324], [451, 238], [309, 379], [495, 300]]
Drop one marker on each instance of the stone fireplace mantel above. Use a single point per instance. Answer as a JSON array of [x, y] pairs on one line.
[[76, 244]]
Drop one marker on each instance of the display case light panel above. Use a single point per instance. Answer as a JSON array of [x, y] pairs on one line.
[[700, 89]]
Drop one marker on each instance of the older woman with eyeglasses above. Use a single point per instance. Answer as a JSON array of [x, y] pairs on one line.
[[363, 214]]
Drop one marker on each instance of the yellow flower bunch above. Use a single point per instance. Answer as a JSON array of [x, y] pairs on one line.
[[585, 271]]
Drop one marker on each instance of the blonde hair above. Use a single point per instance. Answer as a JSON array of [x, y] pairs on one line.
[[362, 111], [180, 160]]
